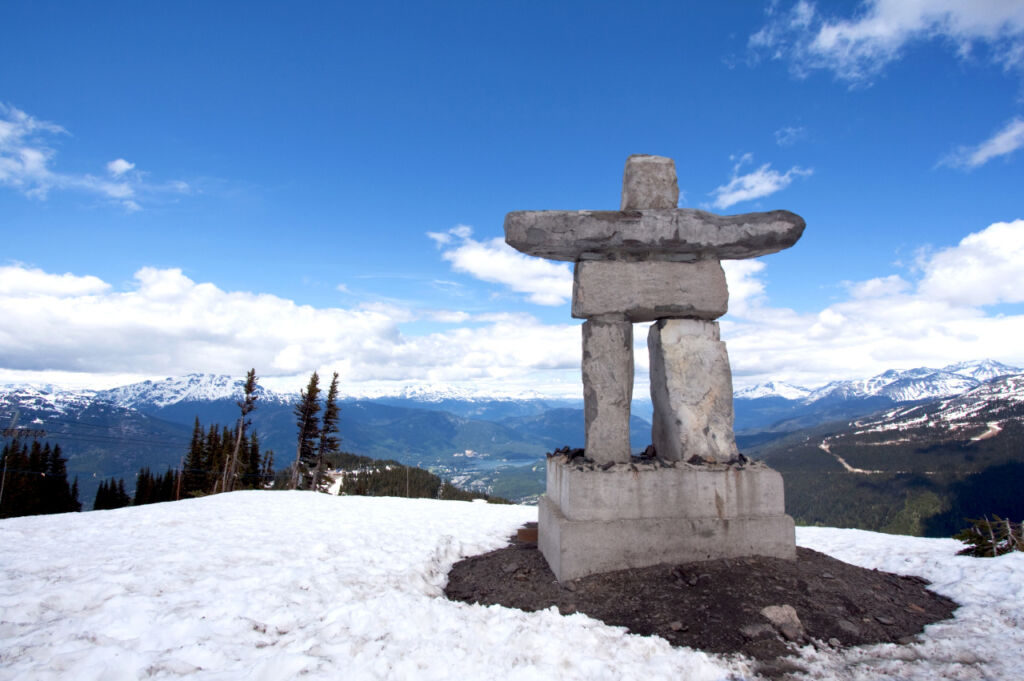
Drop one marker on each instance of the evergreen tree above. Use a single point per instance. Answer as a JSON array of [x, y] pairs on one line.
[[247, 405], [75, 503], [267, 472], [305, 412], [35, 481], [329, 443], [143, 488], [121, 496], [111, 494], [193, 477], [251, 470]]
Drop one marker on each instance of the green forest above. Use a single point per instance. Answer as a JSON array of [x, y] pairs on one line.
[[35, 481]]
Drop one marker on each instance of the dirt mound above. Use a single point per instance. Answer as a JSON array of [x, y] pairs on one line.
[[719, 606]]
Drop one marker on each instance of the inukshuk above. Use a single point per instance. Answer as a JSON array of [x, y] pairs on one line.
[[653, 262]]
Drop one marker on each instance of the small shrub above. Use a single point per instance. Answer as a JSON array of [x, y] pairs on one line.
[[990, 538]]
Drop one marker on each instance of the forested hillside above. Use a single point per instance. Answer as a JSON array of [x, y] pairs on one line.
[[919, 470]]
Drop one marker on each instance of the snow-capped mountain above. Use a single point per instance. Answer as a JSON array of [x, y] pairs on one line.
[[983, 370], [773, 389], [190, 388], [909, 385], [900, 386], [42, 398], [978, 413]]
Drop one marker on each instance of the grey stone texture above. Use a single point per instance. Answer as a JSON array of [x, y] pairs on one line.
[[594, 521], [607, 389], [691, 387], [652, 261], [648, 290], [679, 234], [649, 182]]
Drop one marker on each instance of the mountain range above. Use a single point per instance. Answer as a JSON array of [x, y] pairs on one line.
[[492, 443]]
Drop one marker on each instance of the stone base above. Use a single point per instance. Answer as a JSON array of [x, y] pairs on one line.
[[594, 520]]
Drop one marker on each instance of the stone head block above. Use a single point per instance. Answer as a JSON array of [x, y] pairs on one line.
[[648, 290], [649, 182]]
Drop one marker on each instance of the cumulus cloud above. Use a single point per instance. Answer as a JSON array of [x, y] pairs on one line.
[[62, 324], [26, 164], [858, 48], [543, 282], [19, 280], [1007, 140], [119, 167], [985, 268], [758, 183], [168, 324], [935, 317]]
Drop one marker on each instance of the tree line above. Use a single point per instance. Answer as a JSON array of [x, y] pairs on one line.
[[222, 459], [35, 481], [363, 476]]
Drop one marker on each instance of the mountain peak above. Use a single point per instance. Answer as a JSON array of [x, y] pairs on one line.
[[982, 369], [773, 389], [188, 388]]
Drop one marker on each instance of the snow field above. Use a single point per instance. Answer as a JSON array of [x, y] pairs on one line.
[[985, 638], [273, 585]]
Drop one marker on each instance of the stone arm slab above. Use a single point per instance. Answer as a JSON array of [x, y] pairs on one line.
[[677, 234]]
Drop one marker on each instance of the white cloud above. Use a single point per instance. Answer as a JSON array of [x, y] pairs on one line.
[[62, 325], [985, 268], [18, 280], [789, 135], [756, 184], [858, 48], [119, 167], [168, 324], [543, 282], [890, 322], [26, 160], [745, 289], [1006, 141]]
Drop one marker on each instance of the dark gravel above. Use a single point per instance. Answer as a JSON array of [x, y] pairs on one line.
[[716, 605]]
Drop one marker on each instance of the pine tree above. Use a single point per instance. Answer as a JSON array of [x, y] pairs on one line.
[[36, 481], [121, 496], [193, 477], [267, 472], [143, 488], [111, 494], [247, 405], [329, 443], [251, 459], [305, 412], [76, 505]]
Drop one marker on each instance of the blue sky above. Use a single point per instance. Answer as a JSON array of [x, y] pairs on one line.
[[214, 186]]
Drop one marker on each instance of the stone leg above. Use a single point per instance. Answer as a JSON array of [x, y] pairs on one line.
[[607, 389], [691, 387]]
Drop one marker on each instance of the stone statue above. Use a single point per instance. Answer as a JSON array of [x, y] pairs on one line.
[[654, 262]]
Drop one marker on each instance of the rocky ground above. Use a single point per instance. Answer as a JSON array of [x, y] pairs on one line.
[[759, 607]]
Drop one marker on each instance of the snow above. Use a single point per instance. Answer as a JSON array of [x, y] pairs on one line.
[[999, 398], [898, 385], [982, 641], [274, 585], [188, 388], [773, 389], [982, 369]]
